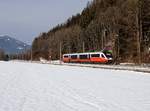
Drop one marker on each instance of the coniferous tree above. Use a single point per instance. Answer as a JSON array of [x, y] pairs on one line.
[[123, 24]]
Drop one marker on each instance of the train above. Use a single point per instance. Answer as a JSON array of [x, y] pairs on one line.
[[89, 57]]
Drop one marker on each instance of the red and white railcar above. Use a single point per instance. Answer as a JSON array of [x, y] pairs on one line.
[[89, 57]]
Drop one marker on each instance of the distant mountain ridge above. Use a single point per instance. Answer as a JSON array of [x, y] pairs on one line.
[[11, 45]]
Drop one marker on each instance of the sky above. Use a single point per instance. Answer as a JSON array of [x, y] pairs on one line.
[[26, 19]]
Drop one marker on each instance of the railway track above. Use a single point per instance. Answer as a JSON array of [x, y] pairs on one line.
[[142, 68]]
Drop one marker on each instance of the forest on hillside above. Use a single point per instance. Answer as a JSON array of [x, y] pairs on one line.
[[123, 25]]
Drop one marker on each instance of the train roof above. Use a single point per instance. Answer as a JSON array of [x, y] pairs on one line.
[[85, 53]]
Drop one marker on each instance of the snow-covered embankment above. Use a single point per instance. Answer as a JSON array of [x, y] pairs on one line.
[[43, 87]]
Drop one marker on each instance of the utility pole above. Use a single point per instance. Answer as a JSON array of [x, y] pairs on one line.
[[69, 48], [102, 42], [104, 37], [139, 31], [31, 54], [118, 49], [50, 55], [83, 46]]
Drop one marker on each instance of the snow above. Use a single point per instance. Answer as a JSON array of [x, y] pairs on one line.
[[2, 35], [20, 48], [44, 87]]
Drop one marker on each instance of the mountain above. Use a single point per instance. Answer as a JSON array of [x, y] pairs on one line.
[[12, 46]]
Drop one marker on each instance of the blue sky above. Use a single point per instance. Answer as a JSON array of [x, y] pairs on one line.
[[25, 19]]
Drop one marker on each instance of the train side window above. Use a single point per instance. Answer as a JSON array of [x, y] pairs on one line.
[[83, 56], [95, 55], [102, 55], [66, 56], [73, 56]]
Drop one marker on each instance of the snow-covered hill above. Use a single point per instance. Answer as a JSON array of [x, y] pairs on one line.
[[43, 87], [11, 45]]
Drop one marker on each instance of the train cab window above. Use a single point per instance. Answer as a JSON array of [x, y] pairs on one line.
[[102, 55], [73, 56], [66, 56], [109, 56], [83, 56], [95, 55]]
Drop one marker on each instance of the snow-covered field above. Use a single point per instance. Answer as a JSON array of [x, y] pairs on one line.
[[43, 87]]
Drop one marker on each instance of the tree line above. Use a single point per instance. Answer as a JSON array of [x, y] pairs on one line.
[[123, 25], [26, 55]]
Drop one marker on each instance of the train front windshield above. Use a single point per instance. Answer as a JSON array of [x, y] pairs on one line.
[[109, 55]]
